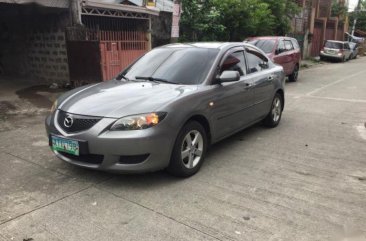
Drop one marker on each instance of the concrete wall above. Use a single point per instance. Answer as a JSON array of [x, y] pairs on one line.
[[47, 56], [32, 43], [161, 29]]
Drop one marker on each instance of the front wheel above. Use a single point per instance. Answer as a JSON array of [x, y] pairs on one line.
[[274, 116], [189, 150]]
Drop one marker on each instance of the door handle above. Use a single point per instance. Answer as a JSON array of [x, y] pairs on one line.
[[248, 86], [270, 78]]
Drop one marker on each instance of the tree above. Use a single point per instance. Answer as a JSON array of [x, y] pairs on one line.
[[339, 9], [200, 21], [244, 18], [360, 14], [283, 11], [234, 20]]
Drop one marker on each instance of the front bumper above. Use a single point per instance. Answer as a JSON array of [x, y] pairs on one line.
[[119, 151]]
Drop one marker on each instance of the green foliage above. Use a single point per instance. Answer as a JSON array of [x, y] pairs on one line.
[[360, 15], [234, 20], [283, 11], [339, 10], [200, 21]]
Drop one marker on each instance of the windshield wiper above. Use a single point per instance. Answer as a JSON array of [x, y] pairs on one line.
[[122, 76], [154, 79]]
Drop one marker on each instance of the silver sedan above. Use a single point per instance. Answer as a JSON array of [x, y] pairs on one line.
[[167, 108]]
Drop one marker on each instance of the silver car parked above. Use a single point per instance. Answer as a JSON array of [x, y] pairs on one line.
[[338, 50], [165, 109]]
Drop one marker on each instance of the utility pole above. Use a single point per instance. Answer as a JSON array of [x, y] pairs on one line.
[[358, 8], [75, 12]]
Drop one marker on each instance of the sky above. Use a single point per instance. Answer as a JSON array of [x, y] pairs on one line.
[[352, 4]]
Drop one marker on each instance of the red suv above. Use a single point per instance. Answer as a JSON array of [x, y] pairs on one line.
[[284, 51]]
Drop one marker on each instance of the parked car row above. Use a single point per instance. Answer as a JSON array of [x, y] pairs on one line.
[[339, 50]]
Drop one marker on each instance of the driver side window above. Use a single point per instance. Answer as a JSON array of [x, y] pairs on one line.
[[234, 62]]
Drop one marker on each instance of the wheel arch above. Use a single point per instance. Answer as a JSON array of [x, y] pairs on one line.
[[281, 92], [204, 122]]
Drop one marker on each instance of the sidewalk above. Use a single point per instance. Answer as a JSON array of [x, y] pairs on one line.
[[22, 98]]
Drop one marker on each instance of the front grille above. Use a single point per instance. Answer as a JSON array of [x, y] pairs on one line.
[[133, 159], [87, 158], [78, 122]]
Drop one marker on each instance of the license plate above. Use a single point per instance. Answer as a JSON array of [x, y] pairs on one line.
[[65, 145]]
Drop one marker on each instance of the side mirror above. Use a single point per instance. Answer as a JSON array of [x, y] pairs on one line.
[[279, 51], [229, 76]]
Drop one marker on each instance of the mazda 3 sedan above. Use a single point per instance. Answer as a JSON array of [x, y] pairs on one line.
[[164, 110]]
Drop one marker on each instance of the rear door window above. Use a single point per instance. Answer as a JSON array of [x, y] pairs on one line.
[[295, 43], [256, 61]]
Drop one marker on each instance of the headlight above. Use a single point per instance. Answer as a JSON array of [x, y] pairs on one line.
[[54, 106], [138, 122]]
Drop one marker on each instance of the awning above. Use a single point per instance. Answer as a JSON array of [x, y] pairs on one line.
[[45, 3]]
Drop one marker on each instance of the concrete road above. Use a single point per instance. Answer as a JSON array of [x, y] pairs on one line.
[[305, 180]]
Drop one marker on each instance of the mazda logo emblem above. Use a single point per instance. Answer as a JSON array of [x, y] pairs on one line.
[[68, 121]]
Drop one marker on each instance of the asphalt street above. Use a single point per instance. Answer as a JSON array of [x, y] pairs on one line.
[[304, 180]]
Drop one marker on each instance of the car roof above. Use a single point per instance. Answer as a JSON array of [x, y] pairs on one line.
[[336, 41], [207, 45], [270, 37]]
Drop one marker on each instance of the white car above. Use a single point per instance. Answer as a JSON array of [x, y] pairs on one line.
[[338, 50]]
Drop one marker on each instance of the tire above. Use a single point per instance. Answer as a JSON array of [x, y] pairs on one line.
[[295, 74], [190, 164], [343, 59], [274, 116]]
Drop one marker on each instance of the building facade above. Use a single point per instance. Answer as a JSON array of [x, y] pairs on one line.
[[78, 41], [315, 24]]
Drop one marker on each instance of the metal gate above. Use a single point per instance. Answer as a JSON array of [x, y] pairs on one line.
[[121, 42], [340, 33], [83, 53], [317, 40], [117, 55], [330, 31]]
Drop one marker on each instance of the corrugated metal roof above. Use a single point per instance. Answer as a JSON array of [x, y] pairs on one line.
[[45, 3]]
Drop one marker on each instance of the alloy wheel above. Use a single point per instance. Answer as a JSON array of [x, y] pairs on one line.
[[276, 109], [192, 149]]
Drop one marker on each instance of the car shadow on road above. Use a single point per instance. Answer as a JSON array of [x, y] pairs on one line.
[[163, 179]]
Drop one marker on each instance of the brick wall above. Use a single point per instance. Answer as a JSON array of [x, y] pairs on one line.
[[32, 43], [161, 29], [47, 56]]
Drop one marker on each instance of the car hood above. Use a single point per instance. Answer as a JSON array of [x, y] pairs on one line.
[[116, 99]]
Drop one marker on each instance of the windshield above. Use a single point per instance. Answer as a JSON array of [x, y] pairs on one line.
[[188, 66], [266, 45], [334, 45]]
